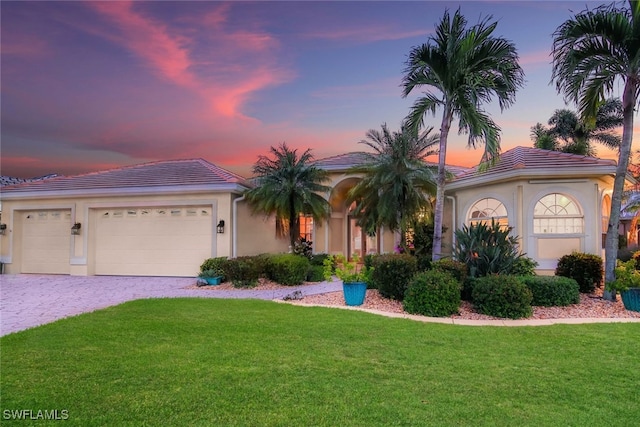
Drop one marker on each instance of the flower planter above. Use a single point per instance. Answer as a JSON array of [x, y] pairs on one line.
[[631, 299], [354, 292], [212, 281]]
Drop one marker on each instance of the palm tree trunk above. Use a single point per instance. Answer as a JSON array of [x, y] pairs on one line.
[[447, 117], [611, 241], [294, 228]]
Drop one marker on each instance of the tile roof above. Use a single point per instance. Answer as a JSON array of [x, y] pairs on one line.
[[535, 161], [345, 161], [10, 180], [173, 173]]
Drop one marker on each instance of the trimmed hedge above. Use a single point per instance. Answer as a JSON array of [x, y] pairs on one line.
[[288, 269], [392, 274], [457, 269], [586, 269], [551, 291], [213, 264], [243, 272], [433, 293], [502, 296], [315, 273]]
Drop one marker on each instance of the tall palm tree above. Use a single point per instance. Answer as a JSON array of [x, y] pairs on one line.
[[286, 186], [462, 68], [396, 183], [591, 53], [576, 134]]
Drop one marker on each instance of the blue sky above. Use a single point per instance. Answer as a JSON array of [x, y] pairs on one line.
[[94, 85]]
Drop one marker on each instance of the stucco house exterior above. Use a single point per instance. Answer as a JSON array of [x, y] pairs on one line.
[[165, 218]]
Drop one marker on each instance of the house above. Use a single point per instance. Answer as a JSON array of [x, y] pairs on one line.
[[165, 218]]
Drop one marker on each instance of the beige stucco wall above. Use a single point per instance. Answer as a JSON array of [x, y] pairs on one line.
[[256, 234], [520, 197], [83, 210]]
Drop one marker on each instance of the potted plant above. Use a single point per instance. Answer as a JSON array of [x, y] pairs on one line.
[[212, 276], [354, 276], [628, 284]]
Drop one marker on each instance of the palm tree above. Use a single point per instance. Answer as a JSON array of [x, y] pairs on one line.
[[591, 53], [577, 134], [396, 181], [287, 186], [463, 68]]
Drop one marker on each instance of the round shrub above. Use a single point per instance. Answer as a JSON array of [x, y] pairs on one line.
[[456, 268], [243, 272], [523, 266], [432, 293], [586, 269], [213, 264], [315, 273], [392, 274], [551, 291], [502, 296], [288, 269]]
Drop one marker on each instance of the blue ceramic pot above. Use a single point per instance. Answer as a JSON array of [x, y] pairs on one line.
[[354, 292]]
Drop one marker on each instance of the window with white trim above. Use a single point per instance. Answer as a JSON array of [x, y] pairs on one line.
[[484, 210], [556, 213]]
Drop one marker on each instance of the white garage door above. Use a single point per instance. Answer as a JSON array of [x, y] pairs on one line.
[[157, 241], [46, 241]]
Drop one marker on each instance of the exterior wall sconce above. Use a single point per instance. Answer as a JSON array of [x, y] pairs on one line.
[[220, 226], [3, 229], [75, 229]]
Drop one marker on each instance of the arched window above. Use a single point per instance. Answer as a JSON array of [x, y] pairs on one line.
[[556, 213], [486, 209]]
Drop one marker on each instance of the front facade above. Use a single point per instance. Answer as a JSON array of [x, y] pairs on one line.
[[165, 218]]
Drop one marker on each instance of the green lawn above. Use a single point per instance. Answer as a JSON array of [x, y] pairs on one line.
[[216, 362]]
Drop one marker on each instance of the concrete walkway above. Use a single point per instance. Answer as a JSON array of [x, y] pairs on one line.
[[28, 300]]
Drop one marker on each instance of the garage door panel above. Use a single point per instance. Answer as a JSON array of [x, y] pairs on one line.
[[46, 242], [171, 241]]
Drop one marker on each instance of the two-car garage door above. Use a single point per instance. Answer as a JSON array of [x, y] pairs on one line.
[[154, 241]]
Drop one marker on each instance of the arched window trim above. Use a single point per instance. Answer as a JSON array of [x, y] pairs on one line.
[[557, 223], [490, 212]]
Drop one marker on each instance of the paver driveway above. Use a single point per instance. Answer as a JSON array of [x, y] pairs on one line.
[[28, 300]]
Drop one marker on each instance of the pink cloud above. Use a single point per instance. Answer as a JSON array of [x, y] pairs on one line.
[[366, 34], [26, 45]]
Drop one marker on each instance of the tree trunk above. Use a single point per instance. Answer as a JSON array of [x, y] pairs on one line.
[[447, 117], [611, 242]]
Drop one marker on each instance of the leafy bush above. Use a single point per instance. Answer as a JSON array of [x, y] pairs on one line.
[[318, 259], [502, 296], [347, 271], [625, 254], [523, 266], [315, 273], [456, 268], [636, 258], [627, 276], [467, 288], [486, 249], [392, 274], [243, 272], [586, 269], [551, 291], [288, 269], [432, 293], [212, 264]]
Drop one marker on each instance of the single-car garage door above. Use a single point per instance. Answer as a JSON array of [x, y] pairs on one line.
[[46, 241], [155, 241]]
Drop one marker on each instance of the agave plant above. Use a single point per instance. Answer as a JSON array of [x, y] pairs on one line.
[[486, 249]]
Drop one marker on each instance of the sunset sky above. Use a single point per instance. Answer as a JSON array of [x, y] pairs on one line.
[[87, 86]]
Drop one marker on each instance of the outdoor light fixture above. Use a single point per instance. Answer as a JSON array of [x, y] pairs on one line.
[[75, 230], [3, 228], [220, 226]]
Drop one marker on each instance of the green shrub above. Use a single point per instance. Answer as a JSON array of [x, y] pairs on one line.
[[318, 259], [523, 266], [213, 264], [625, 254], [392, 274], [315, 273], [486, 249], [586, 269], [243, 272], [551, 291], [502, 296], [288, 269], [432, 293], [636, 258], [456, 268], [467, 288]]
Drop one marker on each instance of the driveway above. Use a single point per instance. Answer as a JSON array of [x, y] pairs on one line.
[[28, 300]]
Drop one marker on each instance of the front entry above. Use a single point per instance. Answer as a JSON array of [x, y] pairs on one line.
[[359, 242]]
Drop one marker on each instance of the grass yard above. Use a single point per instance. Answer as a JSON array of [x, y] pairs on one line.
[[216, 362]]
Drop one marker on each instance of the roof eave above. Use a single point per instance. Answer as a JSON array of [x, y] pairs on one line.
[[124, 191]]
